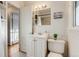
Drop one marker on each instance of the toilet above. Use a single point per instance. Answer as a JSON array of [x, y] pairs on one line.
[[56, 48]]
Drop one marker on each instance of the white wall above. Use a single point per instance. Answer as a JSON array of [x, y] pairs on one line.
[[25, 26], [2, 33], [73, 43], [57, 25], [73, 33]]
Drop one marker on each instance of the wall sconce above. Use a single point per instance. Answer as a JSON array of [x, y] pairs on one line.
[[36, 17]]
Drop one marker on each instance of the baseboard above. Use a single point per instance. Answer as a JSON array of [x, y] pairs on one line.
[[13, 44], [22, 51]]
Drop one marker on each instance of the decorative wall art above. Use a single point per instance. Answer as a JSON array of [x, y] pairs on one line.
[[58, 15]]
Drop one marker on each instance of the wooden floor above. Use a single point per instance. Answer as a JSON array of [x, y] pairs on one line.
[[14, 51]]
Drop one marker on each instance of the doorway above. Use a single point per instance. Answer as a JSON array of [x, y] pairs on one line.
[[13, 16]]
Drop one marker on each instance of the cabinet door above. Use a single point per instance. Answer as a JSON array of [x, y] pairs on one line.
[[44, 47], [30, 46], [38, 47]]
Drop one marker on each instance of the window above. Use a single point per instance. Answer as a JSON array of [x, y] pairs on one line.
[[77, 13]]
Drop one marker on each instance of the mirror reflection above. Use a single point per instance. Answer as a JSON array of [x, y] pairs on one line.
[[42, 16]]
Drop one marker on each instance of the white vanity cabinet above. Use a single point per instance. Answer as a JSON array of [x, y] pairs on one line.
[[30, 46], [40, 46], [36, 46]]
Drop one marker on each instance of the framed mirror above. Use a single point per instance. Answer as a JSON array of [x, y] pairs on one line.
[[45, 16], [46, 20], [42, 17]]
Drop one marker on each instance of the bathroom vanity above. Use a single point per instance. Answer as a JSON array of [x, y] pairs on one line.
[[36, 45]]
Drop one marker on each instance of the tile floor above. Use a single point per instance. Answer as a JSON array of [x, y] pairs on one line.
[[14, 51]]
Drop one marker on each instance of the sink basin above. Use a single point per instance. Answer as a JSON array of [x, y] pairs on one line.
[[40, 35]]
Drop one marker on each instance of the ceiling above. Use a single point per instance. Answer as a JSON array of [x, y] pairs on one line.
[[26, 3], [18, 4]]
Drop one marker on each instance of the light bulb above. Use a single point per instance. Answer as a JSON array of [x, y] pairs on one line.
[[44, 6]]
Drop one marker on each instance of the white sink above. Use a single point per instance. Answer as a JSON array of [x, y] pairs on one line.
[[41, 35]]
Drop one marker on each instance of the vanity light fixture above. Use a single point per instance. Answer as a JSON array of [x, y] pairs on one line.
[[44, 6], [39, 7]]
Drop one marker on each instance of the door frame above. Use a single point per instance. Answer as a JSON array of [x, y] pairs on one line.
[[7, 4]]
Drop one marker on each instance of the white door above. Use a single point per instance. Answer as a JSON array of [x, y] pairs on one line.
[[2, 35]]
